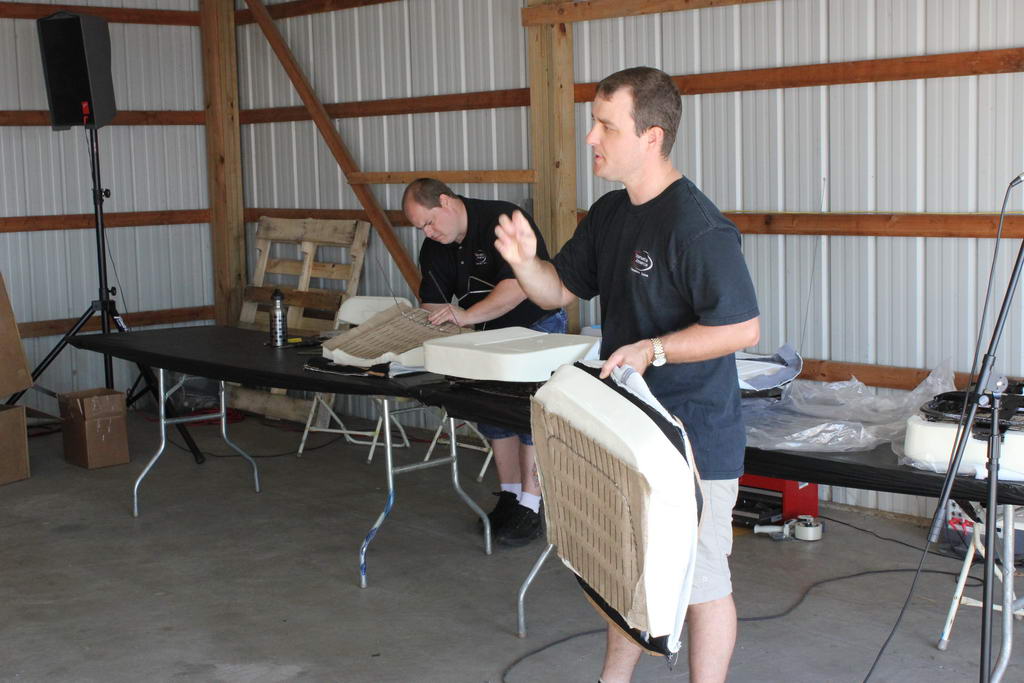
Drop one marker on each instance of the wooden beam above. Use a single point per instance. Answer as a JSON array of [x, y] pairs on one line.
[[878, 225], [300, 8], [553, 133], [569, 12], [334, 142], [116, 15], [980, 225], [223, 157], [428, 104], [945, 65], [886, 376], [167, 316], [492, 99], [405, 177], [865, 71], [539, 66], [24, 117], [281, 406], [253, 215], [323, 300], [83, 221], [334, 271], [31, 117], [562, 147]]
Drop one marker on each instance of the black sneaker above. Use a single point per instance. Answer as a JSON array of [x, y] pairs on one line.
[[523, 526], [507, 504]]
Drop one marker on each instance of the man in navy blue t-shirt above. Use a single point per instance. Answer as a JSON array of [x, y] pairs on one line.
[[458, 259], [676, 303]]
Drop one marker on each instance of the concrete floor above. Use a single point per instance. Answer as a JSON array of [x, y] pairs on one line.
[[216, 583]]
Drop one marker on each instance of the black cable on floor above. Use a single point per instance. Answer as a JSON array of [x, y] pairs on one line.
[[869, 572], [766, 617], [531, 653], [903, 610], [893, 540]]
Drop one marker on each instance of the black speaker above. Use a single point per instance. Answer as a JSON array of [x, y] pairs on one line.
[[76, 68]]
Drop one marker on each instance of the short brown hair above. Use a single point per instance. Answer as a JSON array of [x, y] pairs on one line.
[[655, 100], [426, 192]]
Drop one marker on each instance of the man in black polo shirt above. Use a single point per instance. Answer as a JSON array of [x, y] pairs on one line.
[[458, 259]]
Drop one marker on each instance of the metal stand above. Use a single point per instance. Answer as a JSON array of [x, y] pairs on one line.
[[104, 305], [165, 420], [391, 471], [984, 395]]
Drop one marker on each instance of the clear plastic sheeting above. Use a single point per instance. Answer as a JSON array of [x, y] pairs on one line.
[[837, 416]]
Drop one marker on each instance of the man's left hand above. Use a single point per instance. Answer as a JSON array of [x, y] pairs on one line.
[[450, 313], [637, 355]]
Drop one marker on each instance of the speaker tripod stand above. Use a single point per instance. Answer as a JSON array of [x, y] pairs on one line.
[[104, 305]]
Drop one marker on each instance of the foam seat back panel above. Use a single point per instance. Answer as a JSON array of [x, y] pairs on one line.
[[622, 502]]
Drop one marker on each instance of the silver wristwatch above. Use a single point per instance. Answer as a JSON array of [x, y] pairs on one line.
[[659, 353]]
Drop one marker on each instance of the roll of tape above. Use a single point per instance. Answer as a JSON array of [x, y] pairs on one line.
[[807, 529]]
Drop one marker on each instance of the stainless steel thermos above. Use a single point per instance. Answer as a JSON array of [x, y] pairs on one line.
[[278, 320]]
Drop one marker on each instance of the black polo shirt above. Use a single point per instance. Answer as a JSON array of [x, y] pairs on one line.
[[471, 269]]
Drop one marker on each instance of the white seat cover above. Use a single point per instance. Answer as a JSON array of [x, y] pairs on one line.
[[508, 354], [621, 500]]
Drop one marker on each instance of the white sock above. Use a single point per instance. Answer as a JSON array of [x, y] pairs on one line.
[[513, 488], [530, 500]]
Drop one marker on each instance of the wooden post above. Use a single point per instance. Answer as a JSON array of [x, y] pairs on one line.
[[335, 144], [223, 156], [553, 134]]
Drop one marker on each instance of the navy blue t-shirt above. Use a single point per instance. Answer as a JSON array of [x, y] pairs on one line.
[[660, 267], [471, 269]]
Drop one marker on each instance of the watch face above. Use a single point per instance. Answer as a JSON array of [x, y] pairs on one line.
[[658, 362]]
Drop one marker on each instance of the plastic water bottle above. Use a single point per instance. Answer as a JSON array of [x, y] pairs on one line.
[[278, 321]]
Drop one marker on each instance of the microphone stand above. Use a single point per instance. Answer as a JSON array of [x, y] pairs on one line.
[[105, 306], [983, 395]]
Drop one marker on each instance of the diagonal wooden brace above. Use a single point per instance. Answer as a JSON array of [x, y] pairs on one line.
[[336, 145]]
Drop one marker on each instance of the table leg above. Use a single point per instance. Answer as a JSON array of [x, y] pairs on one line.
[[385, 413], [162, 396], [454, 448], [162, 413], [224, 435], [521, 597], [1009, 570]]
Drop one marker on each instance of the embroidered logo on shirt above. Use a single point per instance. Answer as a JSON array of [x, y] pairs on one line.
[[480, 257], [642, 262]]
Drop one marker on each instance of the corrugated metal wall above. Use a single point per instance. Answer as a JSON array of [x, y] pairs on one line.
[[53, 274], [403, 49], [941, 145], [936, 145]]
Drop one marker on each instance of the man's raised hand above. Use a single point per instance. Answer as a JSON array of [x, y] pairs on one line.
[[515, 239]]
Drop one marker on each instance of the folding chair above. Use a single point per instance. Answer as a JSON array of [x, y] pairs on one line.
[[441, 439], [1003, 573]]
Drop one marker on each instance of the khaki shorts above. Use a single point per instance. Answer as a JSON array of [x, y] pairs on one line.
[[712, 579]]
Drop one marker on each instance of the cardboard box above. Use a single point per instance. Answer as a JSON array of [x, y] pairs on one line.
[[95, 428], [13, 444]]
